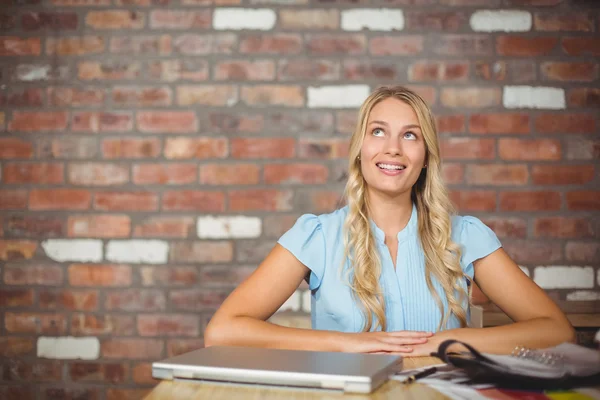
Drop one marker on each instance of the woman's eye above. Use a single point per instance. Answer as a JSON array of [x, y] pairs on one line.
[[410, 135], [377, 132]]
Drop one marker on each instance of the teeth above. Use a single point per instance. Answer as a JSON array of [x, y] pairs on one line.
[[390, 166]]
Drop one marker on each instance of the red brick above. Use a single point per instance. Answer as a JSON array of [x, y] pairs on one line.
[[16, 298], [176, 347], [323, 148], [75, 46], [260, 148], [562, 174], [521, 46], [234, 122], [193, 200], [197, 300], [15, 346], [582, 252], [142, 45], [436, 21], [142, 374], [53, 21], [583, 200], [307, 19], [453, 173], [171, 174], [38, 121], [15, 148], [96, 372], [168, 325], [491, 71], [530, 201], [470, 97], [366, 70], [141, 96], [295, 174], [260, 199], [279, 44], [528, 252], [35, 226], [207, 95], [463, 45], [450, 124], [562, 227], [67, 147], [190, 44], [135, 300], [202, 252], [116, 20], [540, 149], [428, 93], [131, 148], [565, 123], [68, 299], [583, 97], [581, 46], [175, 70], [569, 71], [7, 21], [507, 227], [102, 226], [499, 123], [117, 325], [345, 122], [137, 349], [438, 71], [378, 45], [171, 276], [535, 3], [168, 227], [52, 324], [33, 371], [229, 174], [224, 277], [19, 98], [102, 122], [98, 174], [99, 275], [39, 173], [47, 275], [108, 70], [17, 249], [75, 97], [167, 19], [348, 44], [198, 147], [552, 22], [167, 121], [13, 199], [15, 46], [497, 174], [459, 148], [122, 201], [296, 69], [323, 201], [474, 200], [244, 70], [299, 122], [273, 95]]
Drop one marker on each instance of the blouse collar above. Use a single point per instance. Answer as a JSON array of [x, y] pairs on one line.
[[408, 231]]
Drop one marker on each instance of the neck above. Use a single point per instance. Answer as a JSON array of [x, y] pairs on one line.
[[390, 214]]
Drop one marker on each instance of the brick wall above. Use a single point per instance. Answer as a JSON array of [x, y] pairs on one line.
[[152, 151]]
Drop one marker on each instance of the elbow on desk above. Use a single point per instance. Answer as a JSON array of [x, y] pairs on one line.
[[213, 334]]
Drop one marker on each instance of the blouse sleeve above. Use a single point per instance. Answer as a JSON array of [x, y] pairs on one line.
[[306, 241], [477, 241]]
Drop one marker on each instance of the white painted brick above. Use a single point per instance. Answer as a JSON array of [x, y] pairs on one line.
[[137, 251], [236, 227], [560, 277], [374, 19], [291, 304], [239, 18], [83, 250], [533, 97], [68, 348], [348, 96], [583, 295], [501, 21], [306, 301]]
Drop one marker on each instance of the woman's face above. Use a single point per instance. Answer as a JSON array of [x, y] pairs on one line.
[[393, 151]]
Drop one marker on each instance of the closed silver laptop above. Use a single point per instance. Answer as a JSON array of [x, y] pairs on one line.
[[348, 372]]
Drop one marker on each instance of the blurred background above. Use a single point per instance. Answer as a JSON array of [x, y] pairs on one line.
[[152, 152]]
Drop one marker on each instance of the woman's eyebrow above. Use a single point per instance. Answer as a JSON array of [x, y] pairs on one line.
[[410, 126]]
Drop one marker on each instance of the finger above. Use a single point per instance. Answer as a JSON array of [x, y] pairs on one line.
[[404, 341], [410, 334]]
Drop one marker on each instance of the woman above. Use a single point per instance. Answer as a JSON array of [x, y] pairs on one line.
[[390, 272]]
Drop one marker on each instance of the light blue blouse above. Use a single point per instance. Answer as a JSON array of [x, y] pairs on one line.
[[317, 242]]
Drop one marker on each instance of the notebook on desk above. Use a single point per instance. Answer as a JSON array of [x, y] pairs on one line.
[[348, 372]]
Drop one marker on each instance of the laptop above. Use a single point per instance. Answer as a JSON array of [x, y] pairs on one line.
[[348, 372]]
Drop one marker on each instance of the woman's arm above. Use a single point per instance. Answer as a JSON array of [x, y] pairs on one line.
[[241, 319], [539, 323]]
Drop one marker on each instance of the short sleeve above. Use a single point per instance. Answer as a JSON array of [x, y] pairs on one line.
[[477, 241], [306, 241]]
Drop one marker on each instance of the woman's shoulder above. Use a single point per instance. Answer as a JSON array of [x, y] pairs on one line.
[[325, 220]]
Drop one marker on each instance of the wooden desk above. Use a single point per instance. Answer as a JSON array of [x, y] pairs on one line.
[[389, 390]]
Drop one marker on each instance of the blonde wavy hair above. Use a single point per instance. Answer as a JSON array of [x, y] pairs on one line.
[[442, 256]]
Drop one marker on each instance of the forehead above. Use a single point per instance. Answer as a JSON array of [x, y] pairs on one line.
[[392, 110]]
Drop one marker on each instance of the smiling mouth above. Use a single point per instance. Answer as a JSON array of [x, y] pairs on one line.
[[390, 167]]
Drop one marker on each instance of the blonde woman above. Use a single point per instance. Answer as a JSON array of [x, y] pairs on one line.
[[391, 271]]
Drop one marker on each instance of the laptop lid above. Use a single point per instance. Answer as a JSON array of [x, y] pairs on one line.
[[350, 372]]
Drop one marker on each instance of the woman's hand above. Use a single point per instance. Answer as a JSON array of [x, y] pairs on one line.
[[384, 342]]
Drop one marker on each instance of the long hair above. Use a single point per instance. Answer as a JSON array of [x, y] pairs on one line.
[[442, 256]]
